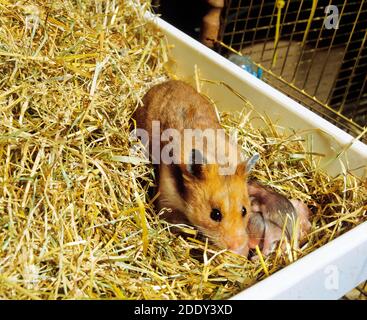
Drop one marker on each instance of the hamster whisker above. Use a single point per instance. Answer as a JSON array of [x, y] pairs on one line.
[[212, 238], [258, 238]]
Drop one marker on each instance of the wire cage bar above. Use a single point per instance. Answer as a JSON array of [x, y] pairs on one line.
[[314, 51]]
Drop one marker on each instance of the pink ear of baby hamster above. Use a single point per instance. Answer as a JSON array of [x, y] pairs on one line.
[[303, 214]]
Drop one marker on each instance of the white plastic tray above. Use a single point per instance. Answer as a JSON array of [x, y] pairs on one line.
[[339, 266]]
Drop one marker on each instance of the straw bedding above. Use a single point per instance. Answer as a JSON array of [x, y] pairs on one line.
[[76, 218]]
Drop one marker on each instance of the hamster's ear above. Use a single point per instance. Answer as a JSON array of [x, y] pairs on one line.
[[252, 161], [196, 163], [241, 169], [245, 167]]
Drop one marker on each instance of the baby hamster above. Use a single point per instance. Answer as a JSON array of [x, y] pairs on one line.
[[269, 213], [193, 185]]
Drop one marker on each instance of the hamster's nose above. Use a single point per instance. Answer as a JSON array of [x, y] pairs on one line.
[[241, 249]]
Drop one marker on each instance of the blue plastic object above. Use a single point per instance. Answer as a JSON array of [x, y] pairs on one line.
[[246, 64]]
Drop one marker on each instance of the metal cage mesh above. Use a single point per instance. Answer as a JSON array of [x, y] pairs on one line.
[[322, 68]]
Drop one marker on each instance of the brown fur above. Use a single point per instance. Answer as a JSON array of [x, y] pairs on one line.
[[192, 197]]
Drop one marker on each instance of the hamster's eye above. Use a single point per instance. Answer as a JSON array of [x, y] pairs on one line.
[[216, 215], [244, 211]]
